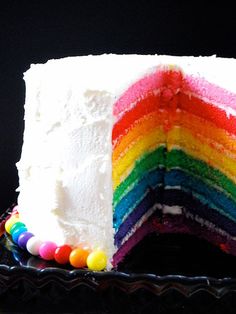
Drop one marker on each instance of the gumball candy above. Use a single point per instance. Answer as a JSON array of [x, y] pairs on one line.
[[16, 226], [10, 222], [24, 238], [97, 260], [78, 257], [62, 254], [15, 235], [47, 250], [33, 245]]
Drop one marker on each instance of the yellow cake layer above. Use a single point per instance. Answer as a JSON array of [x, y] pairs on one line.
[[176, 137], [145, 144], [141, 128], [218, 138]]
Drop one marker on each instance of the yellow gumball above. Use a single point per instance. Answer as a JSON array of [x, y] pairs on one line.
[[10, 222], [97, 260]]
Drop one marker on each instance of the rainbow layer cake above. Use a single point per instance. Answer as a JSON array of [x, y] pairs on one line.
[[120, 146]]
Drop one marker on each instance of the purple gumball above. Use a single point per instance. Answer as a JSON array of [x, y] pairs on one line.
[[23, 239]]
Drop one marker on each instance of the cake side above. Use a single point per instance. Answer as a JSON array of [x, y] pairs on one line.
[[65, 167]]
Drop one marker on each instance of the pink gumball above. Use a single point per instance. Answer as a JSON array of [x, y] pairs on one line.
[[47, 250]]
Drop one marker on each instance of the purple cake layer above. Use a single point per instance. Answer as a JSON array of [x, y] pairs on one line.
[[149, 200], [175, 224], [175, 197]]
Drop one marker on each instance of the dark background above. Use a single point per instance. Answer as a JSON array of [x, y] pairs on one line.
[[35, 31]]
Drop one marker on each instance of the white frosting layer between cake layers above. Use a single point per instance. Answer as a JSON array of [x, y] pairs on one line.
[[65, 167]]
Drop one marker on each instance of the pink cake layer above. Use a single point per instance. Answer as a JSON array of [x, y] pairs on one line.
[[174, 80]]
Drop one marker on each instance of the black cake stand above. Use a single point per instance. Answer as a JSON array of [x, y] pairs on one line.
[[163, 274]]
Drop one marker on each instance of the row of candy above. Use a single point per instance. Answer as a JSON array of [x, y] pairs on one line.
[[79, 257]]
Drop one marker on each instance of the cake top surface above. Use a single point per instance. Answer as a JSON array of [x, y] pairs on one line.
[[112, 72]]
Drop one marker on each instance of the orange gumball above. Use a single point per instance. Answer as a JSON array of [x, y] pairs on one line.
[[78, 257]]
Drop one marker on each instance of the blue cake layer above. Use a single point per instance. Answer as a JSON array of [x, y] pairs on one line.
[[199, 198]]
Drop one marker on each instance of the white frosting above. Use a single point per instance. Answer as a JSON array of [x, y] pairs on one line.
[[173, 210], [65, 166]]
